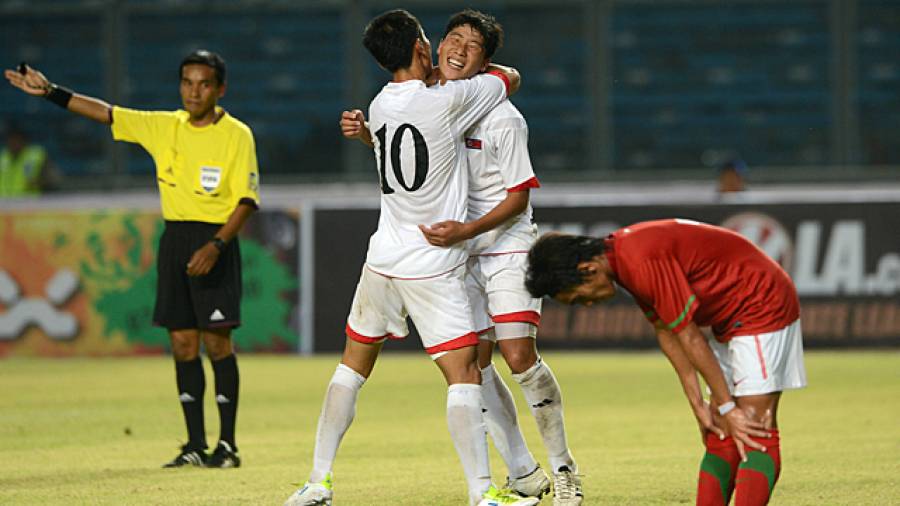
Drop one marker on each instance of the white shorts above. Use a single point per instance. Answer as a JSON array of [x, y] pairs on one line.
[[763, 363], [501, 306], [437, 305]]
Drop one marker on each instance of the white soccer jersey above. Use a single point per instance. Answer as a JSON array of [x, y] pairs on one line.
[[497, 153], [418, 142]]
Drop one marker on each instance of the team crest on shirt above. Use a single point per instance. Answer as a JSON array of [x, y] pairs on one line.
[[210, 177], [473, 143]]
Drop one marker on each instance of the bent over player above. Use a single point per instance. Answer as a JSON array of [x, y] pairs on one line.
[[684, 275], [418, 133], [499, 220], [208, 185]]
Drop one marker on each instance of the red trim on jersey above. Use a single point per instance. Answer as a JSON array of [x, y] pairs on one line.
[[759, 354], [531, 183], [356, 336], [463, 341], [502, 76], [413, 279], [500, 253], [532, 317]]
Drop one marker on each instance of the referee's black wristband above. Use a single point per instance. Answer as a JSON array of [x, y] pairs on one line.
[[218, 243], [59, 95]]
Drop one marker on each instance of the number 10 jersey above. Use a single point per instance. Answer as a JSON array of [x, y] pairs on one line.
[[417, 133]]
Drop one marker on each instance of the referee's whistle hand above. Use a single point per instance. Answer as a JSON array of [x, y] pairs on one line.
[[31, 82]]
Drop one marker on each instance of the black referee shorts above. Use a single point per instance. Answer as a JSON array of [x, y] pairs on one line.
[[200, 302]]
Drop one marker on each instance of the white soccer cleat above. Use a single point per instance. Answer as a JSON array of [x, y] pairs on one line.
[[506, 497], [566, 488], [313, 494], [533, 484]]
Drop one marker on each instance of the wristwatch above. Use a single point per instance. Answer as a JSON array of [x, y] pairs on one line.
[[218, 243]]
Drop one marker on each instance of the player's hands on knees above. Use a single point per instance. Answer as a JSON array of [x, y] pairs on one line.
[[353, 123], [445, 233], [707, 422], [28, 80], [203, 260], [742, 428]]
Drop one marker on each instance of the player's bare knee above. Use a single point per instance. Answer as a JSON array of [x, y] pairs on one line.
[[460, 366], [485, 353], [361, 356], [520, 353], [470, 373]]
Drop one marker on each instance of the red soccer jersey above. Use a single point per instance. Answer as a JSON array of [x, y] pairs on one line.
[[681, 271]]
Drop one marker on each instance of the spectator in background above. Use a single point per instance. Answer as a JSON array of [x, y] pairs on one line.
[[25, 169], [731, 176]]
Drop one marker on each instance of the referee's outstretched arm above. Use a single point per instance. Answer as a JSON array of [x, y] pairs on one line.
[[34, 83]]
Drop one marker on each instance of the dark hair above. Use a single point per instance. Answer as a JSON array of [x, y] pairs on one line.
[[553, 262], [485, 24], [391, 37], [208, 58]]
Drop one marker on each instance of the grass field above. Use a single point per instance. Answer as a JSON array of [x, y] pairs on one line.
[[95, 431]]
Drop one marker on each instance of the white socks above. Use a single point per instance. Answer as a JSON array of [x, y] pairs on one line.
[[503, 424], [543, 396], [338, 410], [466, 424]]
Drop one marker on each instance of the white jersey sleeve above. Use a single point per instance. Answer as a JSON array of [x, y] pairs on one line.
[[475, 97], [509, 137]]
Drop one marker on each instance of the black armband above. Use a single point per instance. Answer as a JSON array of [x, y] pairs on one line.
[[59, 95], [249, 202]]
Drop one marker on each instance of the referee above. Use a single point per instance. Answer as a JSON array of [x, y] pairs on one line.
[[208, 183]]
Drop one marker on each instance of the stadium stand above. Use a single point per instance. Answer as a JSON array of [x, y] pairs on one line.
[[679, 92], [681, 79], [76, 145], [879, 79], [284, 77]]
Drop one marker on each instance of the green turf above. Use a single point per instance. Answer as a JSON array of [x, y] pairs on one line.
[[95, 431]]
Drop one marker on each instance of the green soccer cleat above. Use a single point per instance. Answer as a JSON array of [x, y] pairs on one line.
[[313, 494], [506, 497], [533, 484]]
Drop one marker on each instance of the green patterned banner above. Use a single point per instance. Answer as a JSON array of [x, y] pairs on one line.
[[83, 283]]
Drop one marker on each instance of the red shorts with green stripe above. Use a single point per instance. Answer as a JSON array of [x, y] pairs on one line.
[[763, 363]]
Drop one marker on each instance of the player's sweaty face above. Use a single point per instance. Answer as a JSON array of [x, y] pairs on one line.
[[461, 53], [199, 90]]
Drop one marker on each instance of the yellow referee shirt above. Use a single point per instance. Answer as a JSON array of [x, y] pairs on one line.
[[202, 172]]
